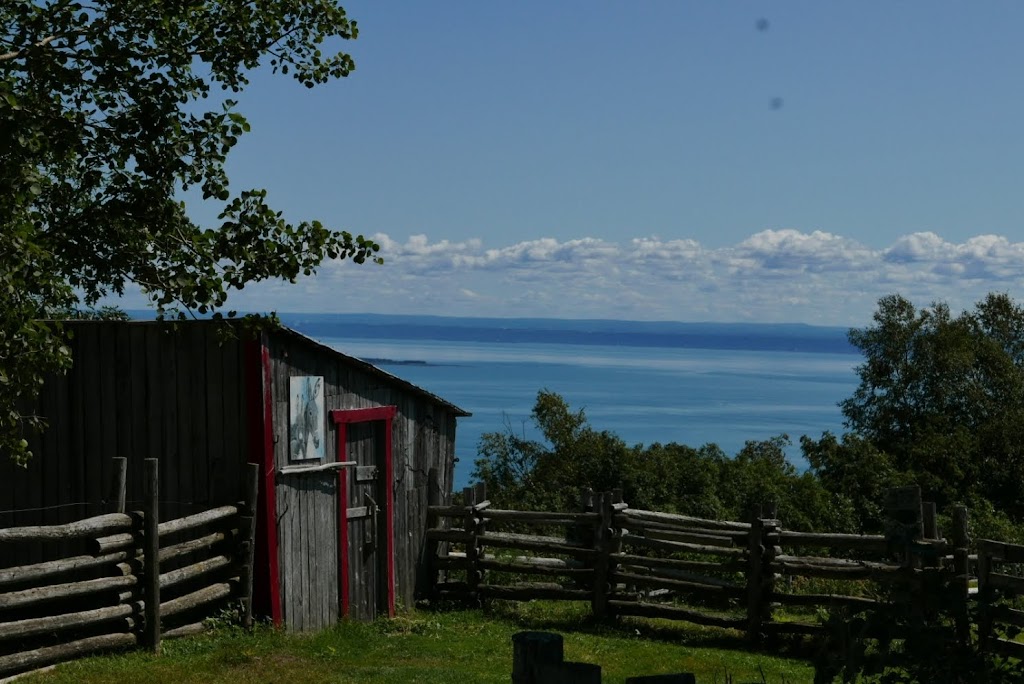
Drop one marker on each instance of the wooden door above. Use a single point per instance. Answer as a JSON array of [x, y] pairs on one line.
[[307, 544], [365, 513]]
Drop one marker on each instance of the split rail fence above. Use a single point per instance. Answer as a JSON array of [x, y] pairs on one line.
[[124, 579], [731, 574]]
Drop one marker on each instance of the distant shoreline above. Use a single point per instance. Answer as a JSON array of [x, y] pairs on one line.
[[725, 337], [397, 362], [769, 337]]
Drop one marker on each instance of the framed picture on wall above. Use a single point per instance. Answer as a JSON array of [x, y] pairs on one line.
[[306, 424]]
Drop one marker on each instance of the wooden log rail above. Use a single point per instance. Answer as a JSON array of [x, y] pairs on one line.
[[542, 544], [677, 574], [89, 528], [131, 586], [460, 537], [681, 564], [539, 518], [838, 568], [841, 542], [19, 629], [681, 547], [620, 559], [522, 565], [596, 563], [628, 515], [627, 519], [37, 571], [197, 520], [534, 591], [672, 612], [687, 586], [699, 537]]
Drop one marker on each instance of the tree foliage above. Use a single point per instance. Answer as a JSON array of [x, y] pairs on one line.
[[854, 469], [109, 109], [943, 397], [526, 473], [547, 474]]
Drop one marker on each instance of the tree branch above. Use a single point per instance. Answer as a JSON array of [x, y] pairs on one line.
[[7, 56]]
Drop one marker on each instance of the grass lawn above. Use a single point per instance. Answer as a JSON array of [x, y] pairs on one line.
[[460, 647]]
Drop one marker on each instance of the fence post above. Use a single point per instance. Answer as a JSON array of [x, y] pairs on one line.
[[151, 553], [602, 545], [586, 499], [614, 540], [480, 496], [247, 549], [473, 574], [582, 533], [755, 568], [962, 575], [431, 549], [928, 513], [904, 527], [930, 531], [769, 550], [985, 553], [904, 522], [118, 485]]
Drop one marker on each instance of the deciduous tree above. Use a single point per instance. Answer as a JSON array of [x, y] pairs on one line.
[[109, 110], [943, 397]]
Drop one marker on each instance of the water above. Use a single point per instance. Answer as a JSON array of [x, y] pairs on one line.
[[645, 395]]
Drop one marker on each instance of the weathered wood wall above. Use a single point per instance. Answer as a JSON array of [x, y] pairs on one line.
[[423, 441], [137, 390]]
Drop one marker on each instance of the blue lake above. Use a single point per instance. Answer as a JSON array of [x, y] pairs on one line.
[[643, 394]]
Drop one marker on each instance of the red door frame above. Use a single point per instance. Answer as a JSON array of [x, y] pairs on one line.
[[343, 418], [260, 417]]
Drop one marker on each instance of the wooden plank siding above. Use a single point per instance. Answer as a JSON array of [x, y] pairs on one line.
[[136, 390]]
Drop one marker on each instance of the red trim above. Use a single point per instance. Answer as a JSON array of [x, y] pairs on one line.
[[343, 590], [341, 418], [270, 486], [259, 409], [363, 415]]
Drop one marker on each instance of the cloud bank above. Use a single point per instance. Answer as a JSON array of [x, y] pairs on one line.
[[772, 276]]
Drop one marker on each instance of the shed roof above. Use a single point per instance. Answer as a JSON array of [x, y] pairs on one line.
[[373, 370]]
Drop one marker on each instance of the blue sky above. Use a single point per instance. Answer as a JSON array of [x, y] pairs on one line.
[[655, 160]]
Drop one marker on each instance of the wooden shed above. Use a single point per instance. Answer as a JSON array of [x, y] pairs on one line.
[[348, 454]]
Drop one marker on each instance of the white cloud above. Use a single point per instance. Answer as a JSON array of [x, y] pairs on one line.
[[774, 275], [918, 248], [792, 251]]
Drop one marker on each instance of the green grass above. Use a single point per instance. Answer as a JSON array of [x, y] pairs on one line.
[[457, 647]]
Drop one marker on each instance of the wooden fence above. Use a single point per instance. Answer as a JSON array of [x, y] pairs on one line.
[[133, 580], [728, 574], [999, 575]]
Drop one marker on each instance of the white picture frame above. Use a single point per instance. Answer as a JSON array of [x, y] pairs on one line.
[[306, 418]]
